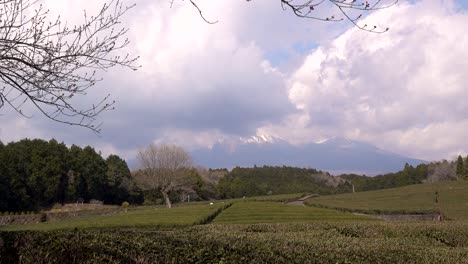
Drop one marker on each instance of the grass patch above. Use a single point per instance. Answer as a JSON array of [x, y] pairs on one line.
[[452, 200], [271, 212], [140, 217]]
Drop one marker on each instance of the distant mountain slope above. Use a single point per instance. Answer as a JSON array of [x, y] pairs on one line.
[[336, 155]]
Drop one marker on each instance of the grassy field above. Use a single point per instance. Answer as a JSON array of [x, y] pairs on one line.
[[141, 217], [271, 212], [420, 198]]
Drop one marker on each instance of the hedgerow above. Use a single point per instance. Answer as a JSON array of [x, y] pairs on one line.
[[320, 242]]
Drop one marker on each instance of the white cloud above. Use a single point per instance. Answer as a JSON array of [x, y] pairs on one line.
[[402, 90], [195, 76]]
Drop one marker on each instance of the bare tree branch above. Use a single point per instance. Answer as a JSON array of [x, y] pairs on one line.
[[307, 9], [164, 167], [195, 5], [47, 63], [171, 2]]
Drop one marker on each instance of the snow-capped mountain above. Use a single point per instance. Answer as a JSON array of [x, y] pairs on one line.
[[336, 155], [259, 139]]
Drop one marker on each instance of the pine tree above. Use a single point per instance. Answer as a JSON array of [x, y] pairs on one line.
[[460, 167], [466, 168]]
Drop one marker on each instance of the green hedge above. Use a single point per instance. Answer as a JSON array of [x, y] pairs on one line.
[[350, 242]]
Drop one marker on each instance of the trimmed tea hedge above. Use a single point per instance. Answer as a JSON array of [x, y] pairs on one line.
[[321, 242]]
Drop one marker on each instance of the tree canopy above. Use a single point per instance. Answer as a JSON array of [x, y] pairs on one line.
[[278, 180], [36, 174]]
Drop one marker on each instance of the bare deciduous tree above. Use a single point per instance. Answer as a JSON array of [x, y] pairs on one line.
[[47, 62], [441, 171], [164, 167], [350, 10]]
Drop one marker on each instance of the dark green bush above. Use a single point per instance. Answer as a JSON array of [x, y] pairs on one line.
[[350, 242]]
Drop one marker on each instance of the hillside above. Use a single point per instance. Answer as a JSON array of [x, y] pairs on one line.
[[408, 176], [452, 199], [268, 180], [336, 155]]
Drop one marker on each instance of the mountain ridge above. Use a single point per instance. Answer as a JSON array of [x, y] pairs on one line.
[[335, 155]]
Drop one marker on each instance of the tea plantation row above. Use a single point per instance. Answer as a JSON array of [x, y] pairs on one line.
[[318, 242]]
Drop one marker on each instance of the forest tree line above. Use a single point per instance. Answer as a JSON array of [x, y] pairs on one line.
[[435, 171], [36, 174], [269, 180]]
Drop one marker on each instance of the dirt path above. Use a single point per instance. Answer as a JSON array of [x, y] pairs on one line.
[[307, 197], [299, 202]]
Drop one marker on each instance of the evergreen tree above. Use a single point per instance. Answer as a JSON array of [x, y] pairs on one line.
[[460, 167], [117, 170], [36, 174], [94, 170], [466, 168], [4, 181], [120, 181]]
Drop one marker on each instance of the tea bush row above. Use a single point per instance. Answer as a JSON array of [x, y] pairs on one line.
[[373, 211], [345, 242]]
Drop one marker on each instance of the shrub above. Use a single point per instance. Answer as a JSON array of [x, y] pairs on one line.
[[125, 204]]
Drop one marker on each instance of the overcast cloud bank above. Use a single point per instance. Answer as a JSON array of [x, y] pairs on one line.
[[401, 91]]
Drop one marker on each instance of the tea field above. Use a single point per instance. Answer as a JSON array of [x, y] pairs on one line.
[[154, 217], [317, 242], [450, 198], [256, 230], [270, 212]]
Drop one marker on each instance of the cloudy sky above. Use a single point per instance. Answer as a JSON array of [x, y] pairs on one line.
[[261, 70]]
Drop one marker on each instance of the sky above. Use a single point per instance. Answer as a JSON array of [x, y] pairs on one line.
[[262, 71]]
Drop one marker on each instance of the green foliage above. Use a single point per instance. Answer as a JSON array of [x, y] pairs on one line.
[[277, 180], [148, 217], [270, 212], [275, 198], [419, 198], [318, 242], [37, 174], [460, 167], [121, 186], [409, 175], [466, 168], [209, 218]]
